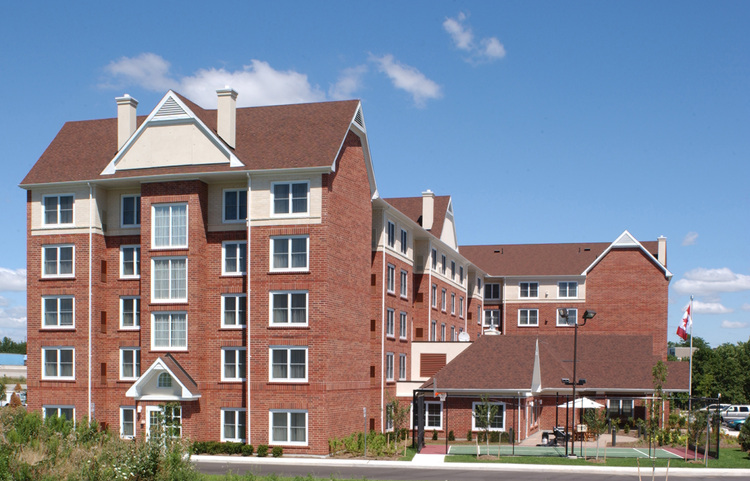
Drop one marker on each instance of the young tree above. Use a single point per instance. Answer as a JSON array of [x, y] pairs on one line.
[[596, 422], [399, 414], [484, 414], [659, 373]]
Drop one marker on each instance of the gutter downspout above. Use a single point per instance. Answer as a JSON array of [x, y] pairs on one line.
[[429, 298], [91, 236], [247, 309], [382, 331]]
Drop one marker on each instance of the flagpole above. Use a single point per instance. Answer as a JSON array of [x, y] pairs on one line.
[[690, 382]]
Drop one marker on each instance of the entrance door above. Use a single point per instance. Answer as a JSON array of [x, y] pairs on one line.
[[169, 419]]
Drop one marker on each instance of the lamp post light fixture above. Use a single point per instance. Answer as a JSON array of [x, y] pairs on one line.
[[563, 312]]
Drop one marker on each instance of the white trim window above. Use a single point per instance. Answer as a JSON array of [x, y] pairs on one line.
[[290, 253], [404, 284], [433, 411], [492, 319], [127, 422], [434, 295], [498, 422], [567, 290], [404, 241], [57, 209], [491, 292], [443, 300], [130, 363], [233, 425], [453, 303], [461, 274], [233, 310], [390, 323], [288, 308], [130, 262], [130, 312], [57, 261], [433, 330], [169, 331], [288, 363], [434, 259], [58, 312], [453, 270], [402, 326], [170, 228], [389, 366], [391, 277], [290, 198], [58, 362], [442, 332], [443, 264], [67, 412], [130, 211], [528, 317], [288, 427], [234, 206], [528, 290], [391, 234], [169, 279], [402, 367], [570, 321], [168, 417], [164, 380], [233, 258], [461, 307], [233, 363], [619, 407]]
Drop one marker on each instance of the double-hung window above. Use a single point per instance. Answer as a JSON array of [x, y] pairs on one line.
[[433, 330], [434, 259], [497, 423], [453, 303], [434, 295], [570, 320], [58, 209], [233, 422], [127, 422], [288, 427], [461, 307], [433, 412], [234, 258], [404, 284], [130, 210], [390, 321], [235, 206], [57, 311], [288, 363], [619, 408], [169, 276], [233, 362], [170, 226], [402, 326], [289, 308], [130, 363], [391, 234], [233, 310], [443, 264], [453, 270], [529, 289], [443, 300], [58, 362], [404, 241], [442, 332], [528, 317], [389, 366], [169, 330], [492, 319], [65, 412], [130, 262], [491, 292], [290, 198], [130, 312], [567, 290], [461, 274], [289, 253], [402, 367], [58, 261], [391, 273]]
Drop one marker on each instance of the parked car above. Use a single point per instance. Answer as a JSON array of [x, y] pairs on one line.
[[737, 425], [735, 412], [714, 407]]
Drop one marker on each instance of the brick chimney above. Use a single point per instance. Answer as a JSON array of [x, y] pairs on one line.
[[126, 118], [428, 209], [226, 116], [661, 253]]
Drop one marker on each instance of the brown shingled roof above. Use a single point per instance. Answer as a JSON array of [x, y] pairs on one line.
[[411, 207], [283, 136]]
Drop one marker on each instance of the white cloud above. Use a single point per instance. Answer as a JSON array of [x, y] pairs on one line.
[[492, 48], [488, 49], [745, 307], [711, 281], [147, 70], [733, 325], [409, 79], [12, 280], [462, 36], [710, 308], [13, 322], [690, 238], [348, 82]]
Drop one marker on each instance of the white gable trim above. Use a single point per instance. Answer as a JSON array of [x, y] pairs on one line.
[[172, 110], [536, 376], [357, 126], [626, 240], [159, 366]]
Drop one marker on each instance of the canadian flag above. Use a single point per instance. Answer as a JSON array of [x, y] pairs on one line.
[[686, 324]]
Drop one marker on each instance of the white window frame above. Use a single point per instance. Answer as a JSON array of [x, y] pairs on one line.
[[443, 300], [130, 409], [164, 380], [502, 410], [58, 325], [461, 307], [288, 379], [57, 248], [461, 274], [150, 409], [572, 314], [136, 312], [527, 285], [57, 376], [171, 346], [288, 412], [389, 366], [240, 355], [241, 263], [453, 303], [288, 322], [288, 240], [290, 199], [390, 324], [391, 278], [59, 408], [404, 241], [171, 280], [567, 285], [170, 244], [427, 416], [402, 325], [528, 317], [488, 323], [492, 286], [57, 211], [434, 296], [239, 194], [136, 261], [453, 270], [442, 332], [433, 330], [434, 260], [240, 300], [404, 287], [239, 429], [444, 264], [136, 363], [402, 367], [453, 333], [137, 210], [390, 234]]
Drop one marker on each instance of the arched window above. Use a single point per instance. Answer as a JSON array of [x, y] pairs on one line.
[[165, 380]]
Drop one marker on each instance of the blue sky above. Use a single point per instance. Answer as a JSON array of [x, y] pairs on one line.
[[546, 121]]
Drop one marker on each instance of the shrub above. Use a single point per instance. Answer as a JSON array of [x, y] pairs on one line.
[[480, 437], [505, 437], [451, 436], [247, 450], [626, 429], [434, 435], [262, 451], [468, 435], [494, 437], [744, 437], [277, 451]]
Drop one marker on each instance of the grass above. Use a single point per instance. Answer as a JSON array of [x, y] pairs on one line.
[[12, 381]]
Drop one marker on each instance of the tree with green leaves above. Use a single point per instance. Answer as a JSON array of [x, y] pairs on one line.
[[659, 373], [484, 415], [596, 423], [399, 415]]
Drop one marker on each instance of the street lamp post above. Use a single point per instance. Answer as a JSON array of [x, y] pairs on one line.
[[576, 382]]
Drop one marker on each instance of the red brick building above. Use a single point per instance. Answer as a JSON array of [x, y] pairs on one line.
[[241, 264]]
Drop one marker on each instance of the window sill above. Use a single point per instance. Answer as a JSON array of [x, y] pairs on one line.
[[129, 278], [290, 271], [233, 274], [276, 382], [57, 278], [233, 328], [525, 326], [287, 326], [129, 329], [233, 381], [68, 380], [56, 328]]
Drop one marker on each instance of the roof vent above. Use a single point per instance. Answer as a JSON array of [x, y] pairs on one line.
[[359, 120], [170, 109]]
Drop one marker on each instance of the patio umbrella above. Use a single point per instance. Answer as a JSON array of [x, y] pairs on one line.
[[582, 402]]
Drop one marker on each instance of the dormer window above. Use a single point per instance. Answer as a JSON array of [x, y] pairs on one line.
[[164, 380]]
